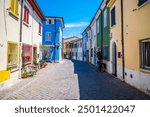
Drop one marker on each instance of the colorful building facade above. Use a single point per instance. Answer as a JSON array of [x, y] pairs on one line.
[[52, 39], [130, 42], [93, 42], [84, 37], [103, 33], [72, 48], [79, 50], [20, 41]]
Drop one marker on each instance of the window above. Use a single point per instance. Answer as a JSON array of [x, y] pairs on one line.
[[142, 2], [39, 28], [105, 18], [145, 54], [14, 7], [105, 52], [48, 36], [80, 44], [26, 15], [91, 52], [113, 16], [12, 54], [89, 34], [46, 52], [52, 21], [97, 26], [27, 53], [49, 21]]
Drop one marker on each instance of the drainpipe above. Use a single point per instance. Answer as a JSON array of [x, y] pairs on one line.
[[20, 40], [122, 41]]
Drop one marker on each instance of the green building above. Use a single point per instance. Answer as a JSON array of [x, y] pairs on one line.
[[103, 33]]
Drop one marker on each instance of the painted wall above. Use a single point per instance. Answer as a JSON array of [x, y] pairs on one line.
[[30, 32], [132, 36], [134, 31], [104, 35], [94, 42], [115, 31], [88, 45], [9, 31], [84, 38], [79, 50], [55, 52]]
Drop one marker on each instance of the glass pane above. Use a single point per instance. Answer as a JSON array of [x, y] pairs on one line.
[[46, 52], [142, 2], [147, 54], [27, 53]]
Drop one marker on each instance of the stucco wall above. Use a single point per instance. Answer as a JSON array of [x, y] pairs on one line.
[[137, 27], [9, 31], [116, 30]]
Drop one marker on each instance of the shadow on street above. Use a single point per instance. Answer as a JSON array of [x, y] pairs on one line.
[[95, 85]]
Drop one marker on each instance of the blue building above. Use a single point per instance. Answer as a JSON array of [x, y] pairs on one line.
[[84, 40], [52, 39]]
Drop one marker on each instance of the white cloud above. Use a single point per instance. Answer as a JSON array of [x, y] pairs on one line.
[[75, 25]]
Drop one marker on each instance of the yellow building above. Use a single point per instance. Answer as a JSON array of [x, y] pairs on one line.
[[130, 33], [64, 50]]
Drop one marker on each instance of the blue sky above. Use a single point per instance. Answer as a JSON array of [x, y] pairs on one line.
[[77, 14]]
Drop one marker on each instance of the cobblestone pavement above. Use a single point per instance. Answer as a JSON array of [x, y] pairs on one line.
[[56, 82], [102, 86], [71, 80]]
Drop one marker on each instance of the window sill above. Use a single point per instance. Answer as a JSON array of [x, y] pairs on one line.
[[27, 63], [13, 15], [113, 26], [26, 24], [145, 71], [12, 68], [40, 34]]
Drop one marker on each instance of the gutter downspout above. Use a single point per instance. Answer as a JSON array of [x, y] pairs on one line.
[[122, 41], [20, 40]]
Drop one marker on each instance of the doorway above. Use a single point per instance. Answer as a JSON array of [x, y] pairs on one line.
[[114, 59], [35, 55]]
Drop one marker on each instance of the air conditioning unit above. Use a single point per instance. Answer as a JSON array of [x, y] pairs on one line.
[[110, 35]]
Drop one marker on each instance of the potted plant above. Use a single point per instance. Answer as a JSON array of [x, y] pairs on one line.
[[100, 61]]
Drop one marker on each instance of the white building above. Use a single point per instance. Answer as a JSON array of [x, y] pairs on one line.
[[10, 38], [79, 50], [32, 32], [93, 42], [88, 45]]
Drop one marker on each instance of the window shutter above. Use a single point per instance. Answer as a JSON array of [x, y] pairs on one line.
[[16, 7], [113, 16], [12, 3], [24, 13], [27, 16], [39, 28]]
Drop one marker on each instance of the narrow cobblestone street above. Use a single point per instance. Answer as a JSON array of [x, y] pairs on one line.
[[71, 80], [56, 82]]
